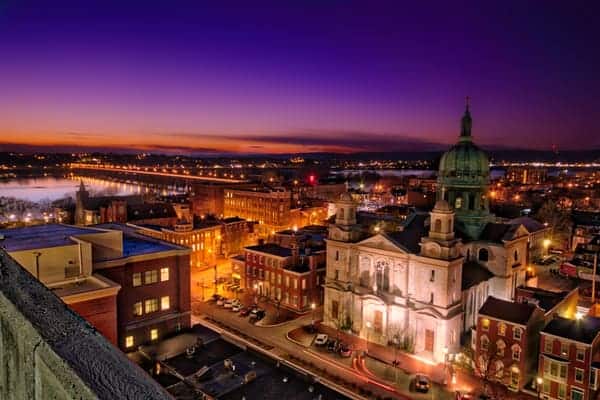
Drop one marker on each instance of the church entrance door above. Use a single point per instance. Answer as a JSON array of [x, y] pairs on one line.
[[429, 340]]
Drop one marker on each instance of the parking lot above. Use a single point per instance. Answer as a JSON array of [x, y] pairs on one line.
[[223, 370]]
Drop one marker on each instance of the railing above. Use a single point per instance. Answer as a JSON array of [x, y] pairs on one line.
[[47, 351]]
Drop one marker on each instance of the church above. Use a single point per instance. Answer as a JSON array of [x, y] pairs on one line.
[[419, 288]]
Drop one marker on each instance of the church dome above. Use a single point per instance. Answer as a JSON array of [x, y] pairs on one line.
[[465, 161], [346, 197], [442, 205]]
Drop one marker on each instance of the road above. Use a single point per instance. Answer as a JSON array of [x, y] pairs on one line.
[[276, 336]]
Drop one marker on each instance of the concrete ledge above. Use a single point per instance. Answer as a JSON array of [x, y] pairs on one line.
[[49, 352]]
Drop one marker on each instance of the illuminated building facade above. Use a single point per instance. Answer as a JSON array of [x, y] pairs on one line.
[[270, 207]]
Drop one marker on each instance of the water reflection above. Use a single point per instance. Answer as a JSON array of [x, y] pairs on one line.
[[54, 188]]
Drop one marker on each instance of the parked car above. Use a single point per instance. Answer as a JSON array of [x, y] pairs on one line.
[[332, 345], [460, 395], [422, 383], [321, 339], [244, 311], [236, 307], [344, 350], [228, 304], [221, 301]]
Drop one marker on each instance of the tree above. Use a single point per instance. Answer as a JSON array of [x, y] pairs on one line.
[[557, 218], [487, 366]]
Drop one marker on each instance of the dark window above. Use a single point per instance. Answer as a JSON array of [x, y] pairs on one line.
[[483, 255]]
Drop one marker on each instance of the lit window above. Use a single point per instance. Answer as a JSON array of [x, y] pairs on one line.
[[164, 274], [548, 345], [165, 303], [137, 279], [153, 334], [150, 277], [129, 341], [151, 305], [516, 352], [485, 324], [502, 329], [564, 349], [137, 309]]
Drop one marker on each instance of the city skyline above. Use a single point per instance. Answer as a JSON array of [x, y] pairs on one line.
[[312, 77]]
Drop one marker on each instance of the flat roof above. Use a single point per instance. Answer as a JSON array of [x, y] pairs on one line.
[[135, 244], [41, 236], [89, 284]]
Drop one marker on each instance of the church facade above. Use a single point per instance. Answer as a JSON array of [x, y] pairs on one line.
[[419, 288]]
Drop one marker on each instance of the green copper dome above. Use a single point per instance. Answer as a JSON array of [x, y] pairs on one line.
[[465, 162], [463, 179]]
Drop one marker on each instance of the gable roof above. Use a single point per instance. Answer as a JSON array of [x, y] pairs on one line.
[[518, 313], [414, 230], [473, 274], [499, 232], [529, 223], [584, 330]]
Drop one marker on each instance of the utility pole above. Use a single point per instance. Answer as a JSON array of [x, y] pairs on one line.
[[594, 278], [37, 255]]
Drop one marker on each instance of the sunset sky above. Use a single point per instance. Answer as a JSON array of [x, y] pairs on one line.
[[297, 76]]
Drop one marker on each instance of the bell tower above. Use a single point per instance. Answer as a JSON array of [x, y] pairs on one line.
[[440, 242]]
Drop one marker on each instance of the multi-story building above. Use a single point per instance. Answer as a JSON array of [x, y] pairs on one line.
[[155, 279], [270, 207], [290, 275], [506, 341], [203, 237], [101, 209], [569, 359], [526, 175], [60, 256], [208, 238]]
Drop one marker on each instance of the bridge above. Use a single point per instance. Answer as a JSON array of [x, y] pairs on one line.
[[151, 171]]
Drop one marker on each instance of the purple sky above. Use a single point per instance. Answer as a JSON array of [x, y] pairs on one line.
[[281, 76]]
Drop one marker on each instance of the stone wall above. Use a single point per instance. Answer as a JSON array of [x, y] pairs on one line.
[[47, 351]]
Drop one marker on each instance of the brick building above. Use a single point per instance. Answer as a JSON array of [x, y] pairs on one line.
[[291, 275], [268, 206], [506, 340], [154, 276], [569, 359]]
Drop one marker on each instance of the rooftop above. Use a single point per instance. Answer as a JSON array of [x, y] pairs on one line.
[[473, 274], [137, 244], [498, 233], [410, 236], [584, 330], [41, 236], [546, 299], [518, 313]]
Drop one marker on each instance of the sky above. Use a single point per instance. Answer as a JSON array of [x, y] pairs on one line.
[[292, 76]]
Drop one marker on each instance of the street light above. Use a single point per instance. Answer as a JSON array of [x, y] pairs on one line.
[[313, 307], [539, 381]]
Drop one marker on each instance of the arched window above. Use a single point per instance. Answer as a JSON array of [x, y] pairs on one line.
[[516, 255], [485, 342], [483, 255], [499, 369], [468, 254], [382, 275], [500, 346], [437, 226], [458, 203], [516, 352]]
